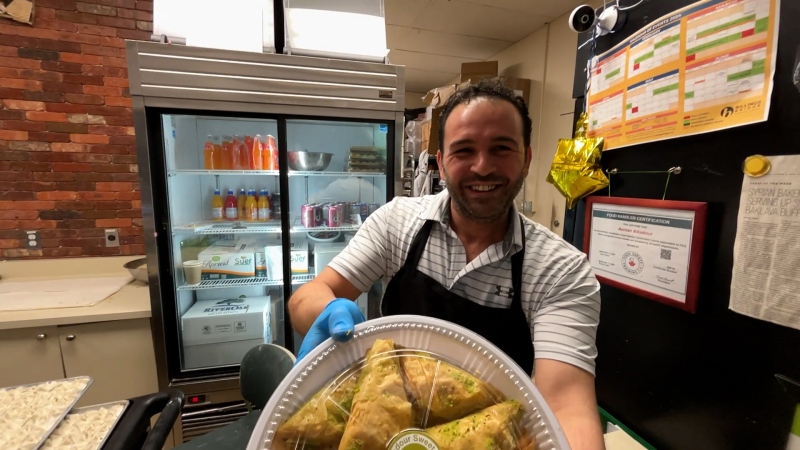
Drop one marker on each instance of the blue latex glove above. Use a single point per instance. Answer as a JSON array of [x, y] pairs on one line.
[[337, 320]]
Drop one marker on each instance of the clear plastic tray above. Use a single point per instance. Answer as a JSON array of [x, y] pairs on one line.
[[404, 381], [67, 427], [30, 429]]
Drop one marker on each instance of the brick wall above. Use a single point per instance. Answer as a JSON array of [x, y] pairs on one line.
[[67, 154]]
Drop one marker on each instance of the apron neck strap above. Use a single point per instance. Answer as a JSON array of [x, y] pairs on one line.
[[517, 260], [418, 244]]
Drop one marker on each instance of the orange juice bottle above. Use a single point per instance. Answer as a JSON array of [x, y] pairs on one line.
[[241, 156], [227, 153], [263, 207], [217, 155], [256, 159], [217, 205], [272, 148], [266, 153], [240, 201], [248, 141], [251, 206], [235, 153], [209, 154]]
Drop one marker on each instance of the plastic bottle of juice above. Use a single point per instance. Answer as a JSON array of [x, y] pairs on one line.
[[209, 154], [263, 207], [256, 159], [272, 146], [266, 152], [217, 157], [248, 142], [217, 206], [231, 206], [240, 201], [236, 156], [227, 153], [251, 206], [241, 155]]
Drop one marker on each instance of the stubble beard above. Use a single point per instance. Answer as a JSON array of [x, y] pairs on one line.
[[481, 213]]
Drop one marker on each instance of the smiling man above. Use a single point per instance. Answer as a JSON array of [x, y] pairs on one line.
[[467, 256]]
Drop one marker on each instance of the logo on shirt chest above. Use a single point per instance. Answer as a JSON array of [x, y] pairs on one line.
[[508, 292]]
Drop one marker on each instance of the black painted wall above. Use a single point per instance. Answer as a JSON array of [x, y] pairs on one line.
[[702, 381]]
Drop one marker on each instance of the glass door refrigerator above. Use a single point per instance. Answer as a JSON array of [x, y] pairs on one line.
[[256, 170]]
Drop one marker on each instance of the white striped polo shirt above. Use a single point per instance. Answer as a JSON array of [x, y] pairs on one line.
[[560, 294]]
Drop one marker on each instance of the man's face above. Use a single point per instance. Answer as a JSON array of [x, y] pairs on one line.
[[484, 161]]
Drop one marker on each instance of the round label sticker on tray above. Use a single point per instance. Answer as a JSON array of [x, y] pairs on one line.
[[413, 440]]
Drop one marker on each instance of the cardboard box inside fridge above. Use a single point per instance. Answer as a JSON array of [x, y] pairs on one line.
[[298, 255], [227, 259], [226, 320]]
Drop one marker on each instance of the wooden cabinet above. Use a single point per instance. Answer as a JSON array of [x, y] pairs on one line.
[[118, 355], [29, 355]]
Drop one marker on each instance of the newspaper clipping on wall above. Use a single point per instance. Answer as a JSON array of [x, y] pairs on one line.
[[766, 261]]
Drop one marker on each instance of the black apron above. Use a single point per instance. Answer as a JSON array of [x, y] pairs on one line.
[[413, 292]]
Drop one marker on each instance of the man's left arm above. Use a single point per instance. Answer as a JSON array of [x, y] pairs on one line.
[[565, 328], [569, 391]]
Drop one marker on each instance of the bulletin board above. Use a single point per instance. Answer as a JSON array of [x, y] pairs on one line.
[[705, 67], [704, 380]]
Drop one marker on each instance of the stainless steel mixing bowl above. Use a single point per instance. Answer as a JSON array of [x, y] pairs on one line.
[[309, 161], [138, 269]]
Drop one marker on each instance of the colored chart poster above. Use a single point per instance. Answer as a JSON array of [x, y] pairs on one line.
[[706, 67]]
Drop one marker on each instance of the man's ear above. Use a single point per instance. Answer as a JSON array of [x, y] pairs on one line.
[[528, 158], [440, 164]]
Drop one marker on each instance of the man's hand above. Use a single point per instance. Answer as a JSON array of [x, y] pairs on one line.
[[337, 320], [569, 391]]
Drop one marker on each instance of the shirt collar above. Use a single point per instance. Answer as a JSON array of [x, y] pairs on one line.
[[439, 210]]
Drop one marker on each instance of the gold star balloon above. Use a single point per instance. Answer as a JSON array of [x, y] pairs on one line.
[[576, 170]]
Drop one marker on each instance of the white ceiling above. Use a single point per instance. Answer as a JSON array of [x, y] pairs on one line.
[[433, 37]]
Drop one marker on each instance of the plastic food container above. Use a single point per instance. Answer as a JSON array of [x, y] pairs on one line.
[[407, 382]]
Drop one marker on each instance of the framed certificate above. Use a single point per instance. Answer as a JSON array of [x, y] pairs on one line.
[[652, 248]]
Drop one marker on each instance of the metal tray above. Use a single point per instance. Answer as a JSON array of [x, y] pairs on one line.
[[78, 411], [65, 410]]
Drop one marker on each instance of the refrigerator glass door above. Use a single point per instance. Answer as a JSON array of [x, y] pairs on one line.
[[337, 177], [222, 173]]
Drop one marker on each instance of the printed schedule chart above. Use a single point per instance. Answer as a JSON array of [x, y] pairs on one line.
[[705, 67]]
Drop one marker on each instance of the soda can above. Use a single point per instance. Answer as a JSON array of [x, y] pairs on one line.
[[307, 216], [354, 208], [318, 221], [363, 211], [334, 215], [324, 208], [373, 207]]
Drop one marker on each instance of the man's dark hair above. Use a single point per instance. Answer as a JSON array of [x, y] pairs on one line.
[[493, 89]]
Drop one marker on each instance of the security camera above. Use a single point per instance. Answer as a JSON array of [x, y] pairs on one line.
[[583, 18], [611, 19]]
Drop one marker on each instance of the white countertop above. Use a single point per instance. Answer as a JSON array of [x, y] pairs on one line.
[[130, 302], [619, 440]]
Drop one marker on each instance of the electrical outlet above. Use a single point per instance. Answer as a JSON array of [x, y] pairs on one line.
[[112, 237], [527, 207], [33, 242]]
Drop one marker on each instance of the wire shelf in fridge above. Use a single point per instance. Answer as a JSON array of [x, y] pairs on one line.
[[273, 226], [223, 172], [239, 282], [307, 173], [352, 225]]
